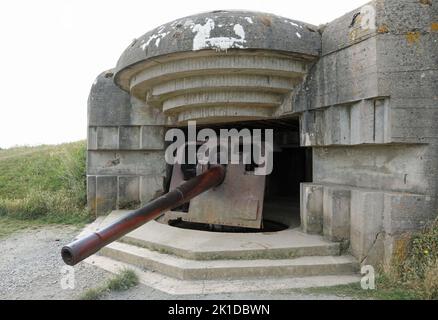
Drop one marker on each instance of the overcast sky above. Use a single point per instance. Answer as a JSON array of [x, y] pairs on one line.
[[52, 50]]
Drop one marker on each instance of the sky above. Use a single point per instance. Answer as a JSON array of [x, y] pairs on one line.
[[52, 50]]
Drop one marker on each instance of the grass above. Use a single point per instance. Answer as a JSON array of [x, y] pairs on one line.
[[123, 281], [9, 226], [384, 291], [45, 184]]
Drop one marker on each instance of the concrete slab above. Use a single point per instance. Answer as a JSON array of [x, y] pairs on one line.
[[186, 269], [202, 245]]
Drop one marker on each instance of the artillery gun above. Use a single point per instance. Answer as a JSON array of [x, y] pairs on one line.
[[84, 247]]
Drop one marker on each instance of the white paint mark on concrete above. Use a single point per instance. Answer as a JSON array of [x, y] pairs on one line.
[[368, 14], [202, 34], [202, 38], [238, 30], [156, 36], [292, 23]]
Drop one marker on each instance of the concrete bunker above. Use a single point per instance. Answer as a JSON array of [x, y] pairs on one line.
[[359, 95]]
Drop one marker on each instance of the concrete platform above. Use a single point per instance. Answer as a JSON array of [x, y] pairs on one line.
[[182, 261], [185, 269], [202, 245]]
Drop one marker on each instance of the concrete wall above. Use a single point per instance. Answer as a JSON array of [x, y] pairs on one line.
[[369, 109], [125, 163]]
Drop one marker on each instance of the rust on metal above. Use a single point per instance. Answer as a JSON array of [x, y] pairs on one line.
[[85, 247], [237, 202]]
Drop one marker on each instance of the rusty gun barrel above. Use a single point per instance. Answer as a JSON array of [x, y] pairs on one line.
[[82, 248]]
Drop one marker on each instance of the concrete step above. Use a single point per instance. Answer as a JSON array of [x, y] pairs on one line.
[[174, 286], [201, 245], [185, 269]]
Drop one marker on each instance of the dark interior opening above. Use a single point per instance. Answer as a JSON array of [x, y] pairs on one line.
[[267, 226], [292, 166]]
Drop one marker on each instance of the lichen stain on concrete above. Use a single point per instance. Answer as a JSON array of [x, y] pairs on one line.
[[266, 20], [413, 37], [383, 29], [98, 201], [427, 2], [434, 27]]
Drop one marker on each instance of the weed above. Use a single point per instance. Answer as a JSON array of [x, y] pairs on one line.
[[123, 281]]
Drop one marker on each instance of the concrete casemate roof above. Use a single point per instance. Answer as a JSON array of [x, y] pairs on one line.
[[221, 31]]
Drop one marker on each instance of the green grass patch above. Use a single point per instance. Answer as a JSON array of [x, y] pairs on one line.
[[8, 225], [44, 183], [93, 294], [123, 281], [383, 291]]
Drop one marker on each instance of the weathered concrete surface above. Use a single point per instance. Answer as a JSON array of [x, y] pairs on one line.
[[366, 221], [168, 257], [392, 167], [200, 245], [125, 162], [369, 108], [370, 219], [311, 208], [336, 213], [214, 65], [185, 269], [176, 287], [220, 30], [239, 85], [363, 122]]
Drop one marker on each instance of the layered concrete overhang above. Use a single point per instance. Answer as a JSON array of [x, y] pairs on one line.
[[219, 66]]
